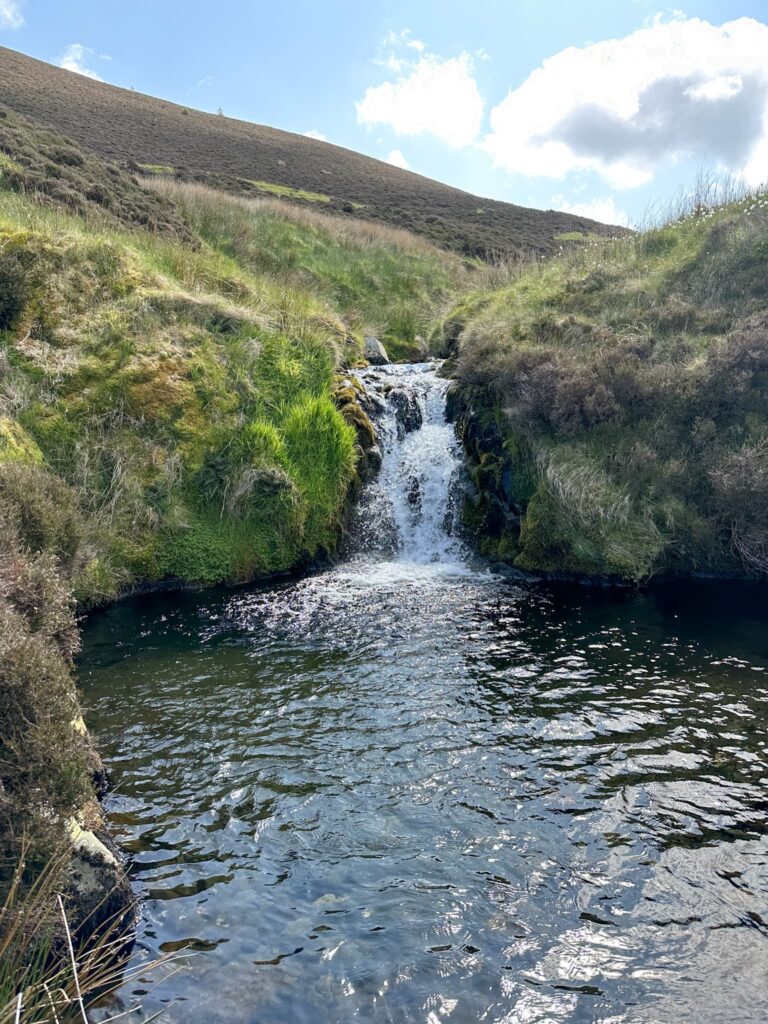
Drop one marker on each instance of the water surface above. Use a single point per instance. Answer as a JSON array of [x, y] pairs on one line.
[[404, 790]]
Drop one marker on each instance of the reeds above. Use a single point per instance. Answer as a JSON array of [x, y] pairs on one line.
[[46, 975]]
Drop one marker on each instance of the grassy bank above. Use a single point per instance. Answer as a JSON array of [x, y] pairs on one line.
[[619, 424], [172, 409], [380, 280], [182, 381]]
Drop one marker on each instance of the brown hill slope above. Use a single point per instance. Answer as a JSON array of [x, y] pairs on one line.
[[127, 126]]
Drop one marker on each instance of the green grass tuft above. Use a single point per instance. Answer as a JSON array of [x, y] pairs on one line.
[[285, 192]]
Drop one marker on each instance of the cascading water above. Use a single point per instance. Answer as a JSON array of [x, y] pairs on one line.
[[409, 512]]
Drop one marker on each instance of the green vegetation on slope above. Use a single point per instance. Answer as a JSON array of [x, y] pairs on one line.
[[38, 162], [379, 280], [171, 410], [286, 192], [142, 372], [186, 391], [618, 418]]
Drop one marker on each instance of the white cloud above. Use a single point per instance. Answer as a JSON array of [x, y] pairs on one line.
[[602, 208], [676, 88], [202, 82], [10, 14], [313, 134], [391, 55], [73, 57], [663, 17], [397, 159], [430, 94]]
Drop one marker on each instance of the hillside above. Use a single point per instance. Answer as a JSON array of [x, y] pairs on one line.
[[164, 138], [614, 402]]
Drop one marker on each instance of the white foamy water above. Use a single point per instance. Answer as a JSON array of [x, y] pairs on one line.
[[410, 512]]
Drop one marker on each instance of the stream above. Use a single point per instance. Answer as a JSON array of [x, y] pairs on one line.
[[404, 789]]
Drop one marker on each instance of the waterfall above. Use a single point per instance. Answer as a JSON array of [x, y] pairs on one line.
[[409, 513]]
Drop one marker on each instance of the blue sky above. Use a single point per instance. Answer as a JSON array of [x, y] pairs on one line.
[[599, 106]]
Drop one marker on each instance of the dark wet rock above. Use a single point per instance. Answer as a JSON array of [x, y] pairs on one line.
[[98, 899], [375, 458], [99, 896], [407, 410], [358, 406], [454, 402], [414, 492], [373, 404], [492, 512]]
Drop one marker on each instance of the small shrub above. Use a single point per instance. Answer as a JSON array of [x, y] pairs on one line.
[[44, 762], [15, 289], [42, 510], [741, 489]]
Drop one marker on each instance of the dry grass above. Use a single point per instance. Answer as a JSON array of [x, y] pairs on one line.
[[46, 976], [352, 231], [379, 280]]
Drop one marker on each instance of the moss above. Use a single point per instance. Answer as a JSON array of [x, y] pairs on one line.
[[357, 418], [521, 482], [286, 192], [486, 473], [157, 168], [15, 443], [199, 553]]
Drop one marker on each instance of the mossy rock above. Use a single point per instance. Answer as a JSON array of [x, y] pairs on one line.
[[356, 417]]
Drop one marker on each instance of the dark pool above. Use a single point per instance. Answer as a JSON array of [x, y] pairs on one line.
[[394, 793]]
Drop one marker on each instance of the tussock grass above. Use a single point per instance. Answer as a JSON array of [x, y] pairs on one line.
[[46, 975], [380, 280], [631, 373]]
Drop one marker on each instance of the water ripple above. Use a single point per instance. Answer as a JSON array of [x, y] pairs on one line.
[[431, 796]]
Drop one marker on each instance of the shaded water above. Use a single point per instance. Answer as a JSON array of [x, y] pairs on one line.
[[405, 790]]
